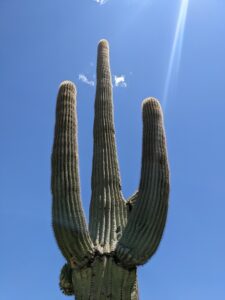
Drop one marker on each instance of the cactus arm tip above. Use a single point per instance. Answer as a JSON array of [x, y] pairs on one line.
[[67, 83], [103, 43]]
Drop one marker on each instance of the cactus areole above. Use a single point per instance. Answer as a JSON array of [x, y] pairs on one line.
[[101, 261]]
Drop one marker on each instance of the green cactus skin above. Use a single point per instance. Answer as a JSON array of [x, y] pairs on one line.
[[102, 260]]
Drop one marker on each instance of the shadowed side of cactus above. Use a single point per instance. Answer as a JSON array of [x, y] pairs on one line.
[[102, 260]]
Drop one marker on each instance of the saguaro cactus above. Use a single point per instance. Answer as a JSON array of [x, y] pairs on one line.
[[102, 260]]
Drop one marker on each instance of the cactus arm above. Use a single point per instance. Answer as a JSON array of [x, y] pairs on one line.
[[68, 218], [107, 208], [146, 222]]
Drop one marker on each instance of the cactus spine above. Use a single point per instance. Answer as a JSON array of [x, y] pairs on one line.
[[102, 260]]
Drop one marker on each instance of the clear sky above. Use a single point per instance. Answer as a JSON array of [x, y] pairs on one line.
[[172, 50]]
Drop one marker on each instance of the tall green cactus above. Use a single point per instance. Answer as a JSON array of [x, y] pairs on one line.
[[102, 260]]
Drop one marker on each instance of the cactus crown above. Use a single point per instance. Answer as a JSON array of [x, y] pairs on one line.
[[128, 231]]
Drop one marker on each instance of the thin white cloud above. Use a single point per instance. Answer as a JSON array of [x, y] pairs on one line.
[[119, 81], [101, 2], [84, 79]]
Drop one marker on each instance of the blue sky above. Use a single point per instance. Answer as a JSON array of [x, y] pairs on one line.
[[182, 63]]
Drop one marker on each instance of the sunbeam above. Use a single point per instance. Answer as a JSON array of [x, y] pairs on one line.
[[175, 56]]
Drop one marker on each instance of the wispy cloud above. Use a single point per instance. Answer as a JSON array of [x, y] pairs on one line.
[[84, 79], [119, 81], [101, 2]]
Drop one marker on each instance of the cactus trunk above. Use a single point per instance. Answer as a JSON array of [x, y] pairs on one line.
[[105, 279], [102, 260]]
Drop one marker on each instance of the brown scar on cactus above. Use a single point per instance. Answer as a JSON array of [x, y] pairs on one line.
[[102, 259]]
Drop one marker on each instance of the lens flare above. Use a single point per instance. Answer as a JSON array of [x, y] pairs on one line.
[[175, 56]]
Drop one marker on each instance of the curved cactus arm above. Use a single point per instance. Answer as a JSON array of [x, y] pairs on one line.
[[146, 222], [68, 218], [107, 209]]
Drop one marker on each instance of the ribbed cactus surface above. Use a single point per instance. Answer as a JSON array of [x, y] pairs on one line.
[[102, 260]]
